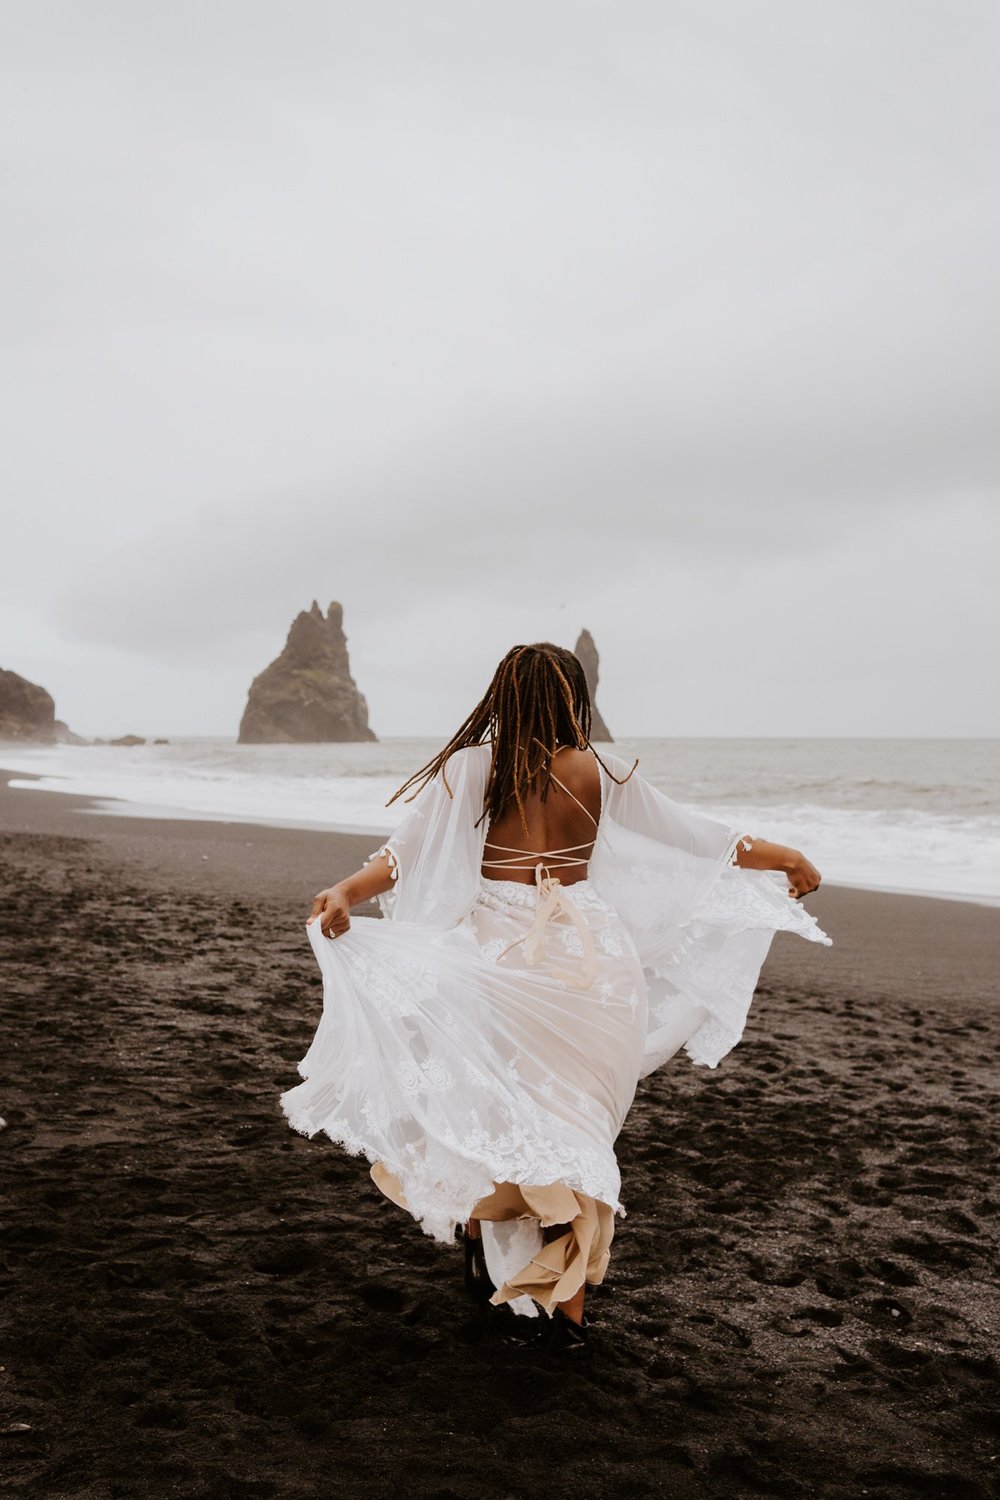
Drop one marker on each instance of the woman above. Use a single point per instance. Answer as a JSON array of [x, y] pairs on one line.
[[557, 929]]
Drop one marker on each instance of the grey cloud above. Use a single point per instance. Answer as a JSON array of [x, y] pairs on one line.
[[410, 296]]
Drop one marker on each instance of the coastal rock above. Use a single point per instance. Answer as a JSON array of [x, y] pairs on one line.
[[28, 712], [128, 739], [589, 660], [307, 695], [65, 735]]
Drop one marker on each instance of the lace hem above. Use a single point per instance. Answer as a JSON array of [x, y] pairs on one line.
[[443, 1196], [717, 960], [386, 900], [747, 843]]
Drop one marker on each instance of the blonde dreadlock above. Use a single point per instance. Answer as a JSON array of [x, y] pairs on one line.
[[538, 701]]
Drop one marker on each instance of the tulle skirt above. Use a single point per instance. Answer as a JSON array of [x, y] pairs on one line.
[[486, 1070]]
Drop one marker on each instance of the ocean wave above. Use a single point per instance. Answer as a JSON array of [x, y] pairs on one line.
[[920, 831]]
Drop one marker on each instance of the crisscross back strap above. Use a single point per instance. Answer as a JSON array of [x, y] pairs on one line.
[[576, 799], [558, 859]]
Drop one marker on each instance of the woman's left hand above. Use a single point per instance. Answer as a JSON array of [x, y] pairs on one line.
[[803, 876], [333, 910]]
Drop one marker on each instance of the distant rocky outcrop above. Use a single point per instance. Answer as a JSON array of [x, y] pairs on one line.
[[589, 660], [130, 740], [28, 712], [307, 695]]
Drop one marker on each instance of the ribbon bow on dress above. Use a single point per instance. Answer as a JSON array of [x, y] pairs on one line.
[[552, 903]]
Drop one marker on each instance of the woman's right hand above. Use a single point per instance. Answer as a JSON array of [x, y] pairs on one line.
[[803, 876], [760, 854], [333, 910]]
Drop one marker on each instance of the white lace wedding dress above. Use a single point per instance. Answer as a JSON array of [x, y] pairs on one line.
[[457, 1054]]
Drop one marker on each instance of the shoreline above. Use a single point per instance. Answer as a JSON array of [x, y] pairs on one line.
[[100, 807], [942, 949]]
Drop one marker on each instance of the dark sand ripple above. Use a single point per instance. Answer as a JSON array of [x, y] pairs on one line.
[[198, 1302]]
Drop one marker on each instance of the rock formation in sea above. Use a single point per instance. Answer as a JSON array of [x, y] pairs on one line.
[[28, 712], [589, 660], [307, 695]]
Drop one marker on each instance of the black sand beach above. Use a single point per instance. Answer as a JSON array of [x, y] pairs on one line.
[[199, 1303]]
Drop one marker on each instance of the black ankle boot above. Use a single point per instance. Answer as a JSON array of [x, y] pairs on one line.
[[568, 1340], [477, 1277]]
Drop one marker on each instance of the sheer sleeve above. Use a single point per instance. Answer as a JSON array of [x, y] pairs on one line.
[[435, 851], [702, 926], [637, 805], [655, 860]]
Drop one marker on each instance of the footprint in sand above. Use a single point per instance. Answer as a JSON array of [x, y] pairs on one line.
[[886, 1312], [768, 1275], [287, 1258], [382, 1298], [803, 1321], [939, 1255], [164, 1414], [888, 1270]]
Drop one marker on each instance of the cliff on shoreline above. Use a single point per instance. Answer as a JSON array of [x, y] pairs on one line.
[[28, 712]]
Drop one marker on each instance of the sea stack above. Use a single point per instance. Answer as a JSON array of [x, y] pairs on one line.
[[28, 712], [589, 660], [307, 695]]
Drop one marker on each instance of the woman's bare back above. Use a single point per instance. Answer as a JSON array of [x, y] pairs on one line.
[[559, 823]]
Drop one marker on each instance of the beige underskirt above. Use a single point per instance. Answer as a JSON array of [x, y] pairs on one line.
[[563, 1264]]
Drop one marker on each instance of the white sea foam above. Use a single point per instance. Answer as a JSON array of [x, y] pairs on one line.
[[914, 815]]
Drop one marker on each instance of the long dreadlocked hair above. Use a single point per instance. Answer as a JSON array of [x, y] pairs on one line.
[[537, 702]]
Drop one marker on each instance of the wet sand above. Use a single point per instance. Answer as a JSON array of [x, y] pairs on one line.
[[199, 1303]]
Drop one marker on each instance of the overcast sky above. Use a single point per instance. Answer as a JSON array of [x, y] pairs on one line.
[[676, 320]]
